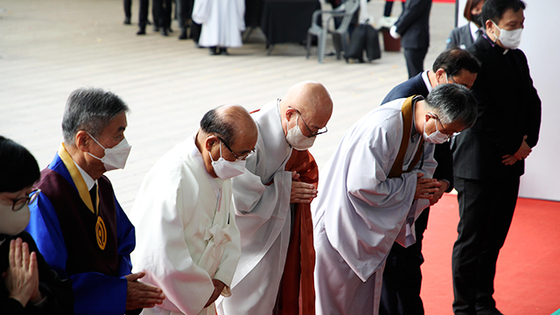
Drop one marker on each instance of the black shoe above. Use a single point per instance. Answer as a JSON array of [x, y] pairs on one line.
[[489, 311], [126, 21], [156, 28], [169, 30], [164, 31], [214, 51], [223, 51], [183, 34], [148, 22], [141, 31]]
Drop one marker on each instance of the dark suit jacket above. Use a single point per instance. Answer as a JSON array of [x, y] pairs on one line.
[[508, 109], [460, 37], [442, 153], [413, 24]]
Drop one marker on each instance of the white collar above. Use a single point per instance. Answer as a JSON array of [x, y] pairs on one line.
[[473, 28], [89, 181], [427, 80]]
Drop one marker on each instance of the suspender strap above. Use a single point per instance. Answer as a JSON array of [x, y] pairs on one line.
[[407, 112]]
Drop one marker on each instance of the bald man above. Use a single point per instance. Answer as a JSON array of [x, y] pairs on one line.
[[272, 206], [188, 241]]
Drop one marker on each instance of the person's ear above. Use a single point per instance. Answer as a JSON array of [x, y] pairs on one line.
[[82, 141], [210, 142], [490, 27], [440, 73]]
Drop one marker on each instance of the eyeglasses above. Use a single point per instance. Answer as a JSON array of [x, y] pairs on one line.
[[449, 136], [19, 203], [319, 132], [238, 157]]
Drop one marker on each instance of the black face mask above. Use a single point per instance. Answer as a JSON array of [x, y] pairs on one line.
[[477, 18]]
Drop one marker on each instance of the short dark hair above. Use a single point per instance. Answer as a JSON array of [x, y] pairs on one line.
[[18, 167], [494, 9], [454, 60], [91, 110], [453, 103], [215, 123], [468, 8]]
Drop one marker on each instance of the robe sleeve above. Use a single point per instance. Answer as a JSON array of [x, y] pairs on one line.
[[230, 257], [252, 197], [94, 293], [368, 182]]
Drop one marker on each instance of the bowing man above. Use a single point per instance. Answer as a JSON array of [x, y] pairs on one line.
[[189, 242], [373, 188], [272, 206], [77, 222]]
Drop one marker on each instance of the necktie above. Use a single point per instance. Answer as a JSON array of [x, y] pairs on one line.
[[93, 195]]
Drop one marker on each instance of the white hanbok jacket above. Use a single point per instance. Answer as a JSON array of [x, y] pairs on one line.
[[186, 234], [362, 209]]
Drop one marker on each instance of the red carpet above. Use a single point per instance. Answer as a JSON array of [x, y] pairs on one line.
[[528, 276]]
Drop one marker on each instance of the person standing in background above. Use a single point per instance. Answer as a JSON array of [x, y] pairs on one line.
[[464, 36], [489, 158], [413, 27]]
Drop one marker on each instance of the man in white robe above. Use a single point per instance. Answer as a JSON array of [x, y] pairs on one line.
[[263, 195], [222, 23], [362, 209], [188, 242]]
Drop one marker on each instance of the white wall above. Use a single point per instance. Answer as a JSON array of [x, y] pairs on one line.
[[541, 44]]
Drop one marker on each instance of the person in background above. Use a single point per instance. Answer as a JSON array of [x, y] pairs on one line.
[[402, 277], [413, 27], [489, 158], [222, 23], [28, 285], [188, 242], [466, 35], [77, 222]]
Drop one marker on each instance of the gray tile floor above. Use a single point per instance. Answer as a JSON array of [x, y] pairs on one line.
[[49, 48]]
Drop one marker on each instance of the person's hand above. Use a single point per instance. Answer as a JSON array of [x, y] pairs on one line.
[[22, 276], [426, 187], [301, 192], [141, 295], [218, 288], [522, 153], [437, 195], [393, 32]]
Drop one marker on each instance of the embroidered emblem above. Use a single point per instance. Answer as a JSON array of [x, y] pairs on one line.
[[101, 233]]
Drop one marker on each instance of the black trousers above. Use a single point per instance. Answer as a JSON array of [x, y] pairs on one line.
[[143, 13], [415, 60], [184, 12], [161, 10], [486, 208], [127, 8], [402, 277]]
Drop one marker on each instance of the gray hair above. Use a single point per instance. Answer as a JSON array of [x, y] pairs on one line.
[[91, 110], [453, 103]]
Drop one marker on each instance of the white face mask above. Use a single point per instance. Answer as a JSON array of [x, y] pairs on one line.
[[13, 222], [115, 157], [509, 39], [297, 139], [225, 169], [436, 137]]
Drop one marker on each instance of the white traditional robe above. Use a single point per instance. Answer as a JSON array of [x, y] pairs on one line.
[[186, 232], [222, 22], [263, 218], [362, 210]]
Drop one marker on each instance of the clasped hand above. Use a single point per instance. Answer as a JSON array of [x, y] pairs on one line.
[[141, 295], [426, 188], [301, 192], [22, 276]]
